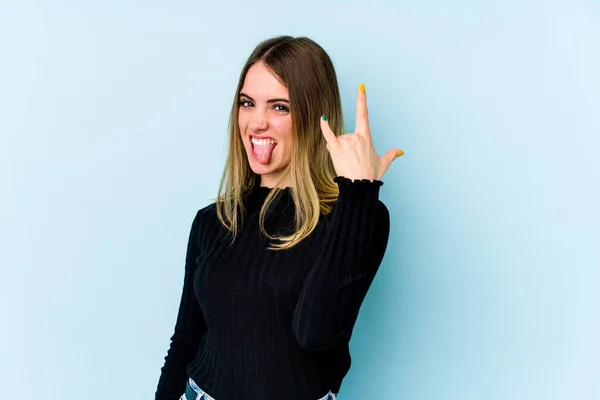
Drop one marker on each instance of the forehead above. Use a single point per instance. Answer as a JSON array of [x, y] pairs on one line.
[[261, 83]]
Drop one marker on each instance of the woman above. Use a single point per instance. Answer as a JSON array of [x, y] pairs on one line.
[[277, 268]]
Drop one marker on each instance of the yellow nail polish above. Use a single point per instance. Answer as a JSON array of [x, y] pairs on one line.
[[361, 87], [399, 153]]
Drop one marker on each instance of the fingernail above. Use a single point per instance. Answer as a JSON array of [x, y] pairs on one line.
[[399, 153], [361, 87], [324, 117]]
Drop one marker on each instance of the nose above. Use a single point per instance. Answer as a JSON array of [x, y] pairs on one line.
[[258, 121]]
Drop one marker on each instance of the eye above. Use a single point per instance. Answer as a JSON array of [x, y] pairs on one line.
[[281, 108], [245, 103]]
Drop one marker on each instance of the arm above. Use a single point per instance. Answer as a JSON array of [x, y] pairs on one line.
[[189, 328], [350, 254]]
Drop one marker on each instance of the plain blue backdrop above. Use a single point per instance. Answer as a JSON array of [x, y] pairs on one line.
[[113, 133]]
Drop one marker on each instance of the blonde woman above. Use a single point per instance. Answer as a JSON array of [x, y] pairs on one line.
[[278, 266]]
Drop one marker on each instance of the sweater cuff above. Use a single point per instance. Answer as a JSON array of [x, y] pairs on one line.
[[366, 182], [357, 202], [357, 187]]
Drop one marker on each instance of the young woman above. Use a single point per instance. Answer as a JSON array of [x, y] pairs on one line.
[[278, 266]]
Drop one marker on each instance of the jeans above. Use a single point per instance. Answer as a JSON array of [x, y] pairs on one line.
[[193, 392]]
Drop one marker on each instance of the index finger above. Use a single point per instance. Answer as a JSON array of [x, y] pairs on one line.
[[330, 137], [362, 113]]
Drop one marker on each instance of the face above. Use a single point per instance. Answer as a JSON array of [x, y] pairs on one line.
[[265, 123]]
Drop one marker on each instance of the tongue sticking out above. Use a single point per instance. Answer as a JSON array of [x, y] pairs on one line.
[[263, 152]]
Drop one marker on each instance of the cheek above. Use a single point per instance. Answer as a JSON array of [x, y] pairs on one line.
[[242, 122], [284, 128]]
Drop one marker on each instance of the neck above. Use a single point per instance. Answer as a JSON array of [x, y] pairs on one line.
[[270, 183], [258, 195]]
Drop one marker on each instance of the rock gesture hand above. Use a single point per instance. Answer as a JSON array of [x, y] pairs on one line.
[[353, 154]]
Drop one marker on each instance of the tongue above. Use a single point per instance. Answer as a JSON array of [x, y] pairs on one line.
[[264, 152]]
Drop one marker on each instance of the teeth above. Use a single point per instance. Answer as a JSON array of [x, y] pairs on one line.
[[263, 142]]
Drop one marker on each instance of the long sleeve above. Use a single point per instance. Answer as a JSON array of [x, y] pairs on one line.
[[353, 247], [189, 328]]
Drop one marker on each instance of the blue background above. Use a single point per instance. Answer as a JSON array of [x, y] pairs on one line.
[[113, 133]]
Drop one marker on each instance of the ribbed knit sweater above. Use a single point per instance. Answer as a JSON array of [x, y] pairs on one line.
[[261, 324]]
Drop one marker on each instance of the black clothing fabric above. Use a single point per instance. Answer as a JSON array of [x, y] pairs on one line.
[[260, 324]]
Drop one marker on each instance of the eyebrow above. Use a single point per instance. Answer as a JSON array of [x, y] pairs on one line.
[[268, 101]]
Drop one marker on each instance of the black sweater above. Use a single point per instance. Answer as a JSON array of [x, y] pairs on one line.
[[260, 324]]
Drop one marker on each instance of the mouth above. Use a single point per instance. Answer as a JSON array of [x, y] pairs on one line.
[[262, 149], [262, 141]]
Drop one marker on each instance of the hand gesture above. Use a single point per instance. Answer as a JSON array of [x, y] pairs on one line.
[[353, 154]]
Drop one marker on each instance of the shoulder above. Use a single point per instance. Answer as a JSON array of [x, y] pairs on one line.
[[204, 216], [201, 228], [209, 209]]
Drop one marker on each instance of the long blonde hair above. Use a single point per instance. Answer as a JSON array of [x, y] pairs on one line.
[[308, 73]]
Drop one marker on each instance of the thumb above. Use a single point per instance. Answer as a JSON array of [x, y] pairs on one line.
[[391, 155]]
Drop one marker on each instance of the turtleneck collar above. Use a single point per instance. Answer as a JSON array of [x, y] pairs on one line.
[[260, 193]]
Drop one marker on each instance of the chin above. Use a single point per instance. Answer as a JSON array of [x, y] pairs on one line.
[[260, 169]]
